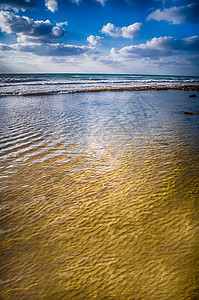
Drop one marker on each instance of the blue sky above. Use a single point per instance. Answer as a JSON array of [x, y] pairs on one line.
[[99, 36]]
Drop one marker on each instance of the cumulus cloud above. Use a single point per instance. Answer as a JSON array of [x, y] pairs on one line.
[[51, 5], [17, 4], [158, 47], [27, 29], [177, 15], [50, 49], [93, 40], [125, 32]]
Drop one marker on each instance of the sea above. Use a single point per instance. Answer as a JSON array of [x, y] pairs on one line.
[[20, 84], [99, 191]]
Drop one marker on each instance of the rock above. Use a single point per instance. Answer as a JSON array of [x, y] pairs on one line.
[[193, 96], [188, 113]]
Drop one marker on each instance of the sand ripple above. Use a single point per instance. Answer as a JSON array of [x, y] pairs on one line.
[[99, 197]]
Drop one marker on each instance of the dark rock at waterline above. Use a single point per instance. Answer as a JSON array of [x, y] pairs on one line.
[[188, 113], [192, 96]]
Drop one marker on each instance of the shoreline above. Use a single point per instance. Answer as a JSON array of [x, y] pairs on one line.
[[112, 89]]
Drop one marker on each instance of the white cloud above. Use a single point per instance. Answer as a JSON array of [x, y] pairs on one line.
[[93, 40], [158, 47], [125, 32], [177, 15], [101, 1], [51, 5], [27, 29], [50, 49], [62, 24]]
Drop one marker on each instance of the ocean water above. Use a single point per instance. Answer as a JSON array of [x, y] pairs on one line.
[[20, 84], [99, 194]]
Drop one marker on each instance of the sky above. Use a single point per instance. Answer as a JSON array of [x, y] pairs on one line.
[[99, 36]]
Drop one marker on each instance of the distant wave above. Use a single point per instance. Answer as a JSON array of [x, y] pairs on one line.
[[20, 80], [50, 83]]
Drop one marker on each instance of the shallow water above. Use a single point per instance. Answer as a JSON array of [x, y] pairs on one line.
[[99, 196]]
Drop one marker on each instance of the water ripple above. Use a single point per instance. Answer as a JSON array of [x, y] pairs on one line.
[[99, 197]]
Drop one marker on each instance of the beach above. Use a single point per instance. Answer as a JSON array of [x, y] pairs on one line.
[[99, 191]]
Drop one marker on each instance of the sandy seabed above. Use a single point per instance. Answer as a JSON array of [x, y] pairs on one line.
[[99, 196]]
